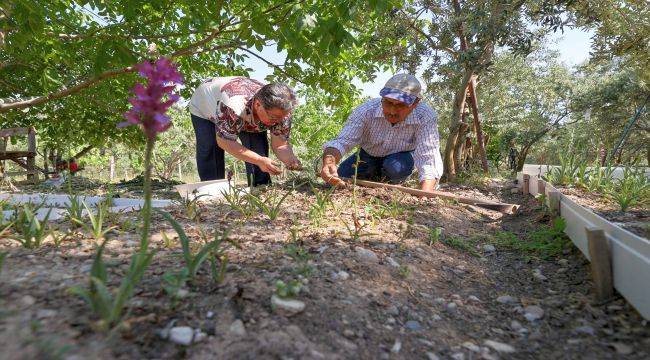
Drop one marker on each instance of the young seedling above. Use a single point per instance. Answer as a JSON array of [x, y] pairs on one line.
[[270, 205], [236, 198], [460, 244], [356, 230], [630, 189], [31, 231], [74, 211], [214, 248], [109, 306], [319, 207], [97, 221], [191, 207], [434, 235], [288, 290], [59, 237]]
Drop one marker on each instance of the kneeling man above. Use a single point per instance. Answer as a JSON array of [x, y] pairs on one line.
[[394, 133]]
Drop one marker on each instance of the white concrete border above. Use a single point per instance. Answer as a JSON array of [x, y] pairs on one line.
[[630, 253]]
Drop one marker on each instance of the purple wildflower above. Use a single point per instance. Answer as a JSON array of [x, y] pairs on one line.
[[150, 105]]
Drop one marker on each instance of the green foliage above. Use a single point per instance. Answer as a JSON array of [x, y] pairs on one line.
[[190, 206], [600, 179], [109, 305], [631, 188], [213, 250], [434, 235], [74, 210], [288, 290], [318, 208], [31, 231], [58, 45], [565, 173], [466, 245], [546, 242], [236, 198], [269, 202], [97, 221]]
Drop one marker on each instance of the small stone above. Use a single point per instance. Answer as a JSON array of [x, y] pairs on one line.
[[621, 348], [500, 347], [45, 313], [341, 275], [348, 333], [516, 325], [182, 293], [237, 328], [537, 274], [458, 356], [452, 307], [366, 255], [561, 270], [436, 317], [209, 315], [432, 356], [506, 299], [471, 346], [533, 312], [287, 307], [27, 300], [391, 320], [392, 262], [586, 330], [473, 298], [440, 300], [514, 190], [181, 335], [396, 347], [563, 262], [85, 268], [393, 310], [413, 325], [199, 336], [489, 248]]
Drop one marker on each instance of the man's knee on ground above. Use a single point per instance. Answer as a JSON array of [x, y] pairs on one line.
[[397, 170]]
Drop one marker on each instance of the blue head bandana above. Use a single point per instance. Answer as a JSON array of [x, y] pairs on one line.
[[398, 95]]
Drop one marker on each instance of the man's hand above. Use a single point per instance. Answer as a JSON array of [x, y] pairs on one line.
[[294, 164], [269, 166], [329, 172], [428, 184]]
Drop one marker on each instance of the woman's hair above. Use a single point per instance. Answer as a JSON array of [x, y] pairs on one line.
[[277, 95]]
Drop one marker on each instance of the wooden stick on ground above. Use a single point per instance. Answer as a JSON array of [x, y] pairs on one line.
[[501, 207]]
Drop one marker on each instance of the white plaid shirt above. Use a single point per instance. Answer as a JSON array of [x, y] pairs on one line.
[[367, 128]]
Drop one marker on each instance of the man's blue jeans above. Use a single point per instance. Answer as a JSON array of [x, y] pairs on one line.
[[394, 168], [210, 159]]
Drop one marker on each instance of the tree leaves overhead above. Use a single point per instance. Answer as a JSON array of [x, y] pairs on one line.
[[49, 47]]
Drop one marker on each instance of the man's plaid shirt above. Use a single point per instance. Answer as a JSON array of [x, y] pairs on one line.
[[367, 128]]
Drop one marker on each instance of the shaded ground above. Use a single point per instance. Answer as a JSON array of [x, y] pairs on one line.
[[403, 297]]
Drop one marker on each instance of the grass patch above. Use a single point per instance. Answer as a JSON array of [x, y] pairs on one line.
[[466, 245], [546, 242]]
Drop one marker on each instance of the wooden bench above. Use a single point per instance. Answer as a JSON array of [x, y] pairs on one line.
[[25, 159]]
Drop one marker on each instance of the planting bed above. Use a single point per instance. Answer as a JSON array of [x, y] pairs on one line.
[[396, 292]]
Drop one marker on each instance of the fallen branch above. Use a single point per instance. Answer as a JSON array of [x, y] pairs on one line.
[[501, 207]]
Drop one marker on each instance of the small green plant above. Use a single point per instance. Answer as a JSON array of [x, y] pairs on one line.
[[600, 179], [191, 207], [434, 235], [167, 242], [235, 197], [404, 271], [59, 237], [565, 173], [630, 189], [464, 245], [355, 231], [97, 221], [288, 290], [109, 305], [74, 210], [319, 207], [211, 249], [270, 204], [31, 231]]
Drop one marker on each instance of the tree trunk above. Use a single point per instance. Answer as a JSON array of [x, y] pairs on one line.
[[477, 125], [450, 167], [521, 159], [459, 159], [111, 175]]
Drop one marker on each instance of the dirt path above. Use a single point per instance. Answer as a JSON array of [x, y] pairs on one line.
[[389, 295]]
